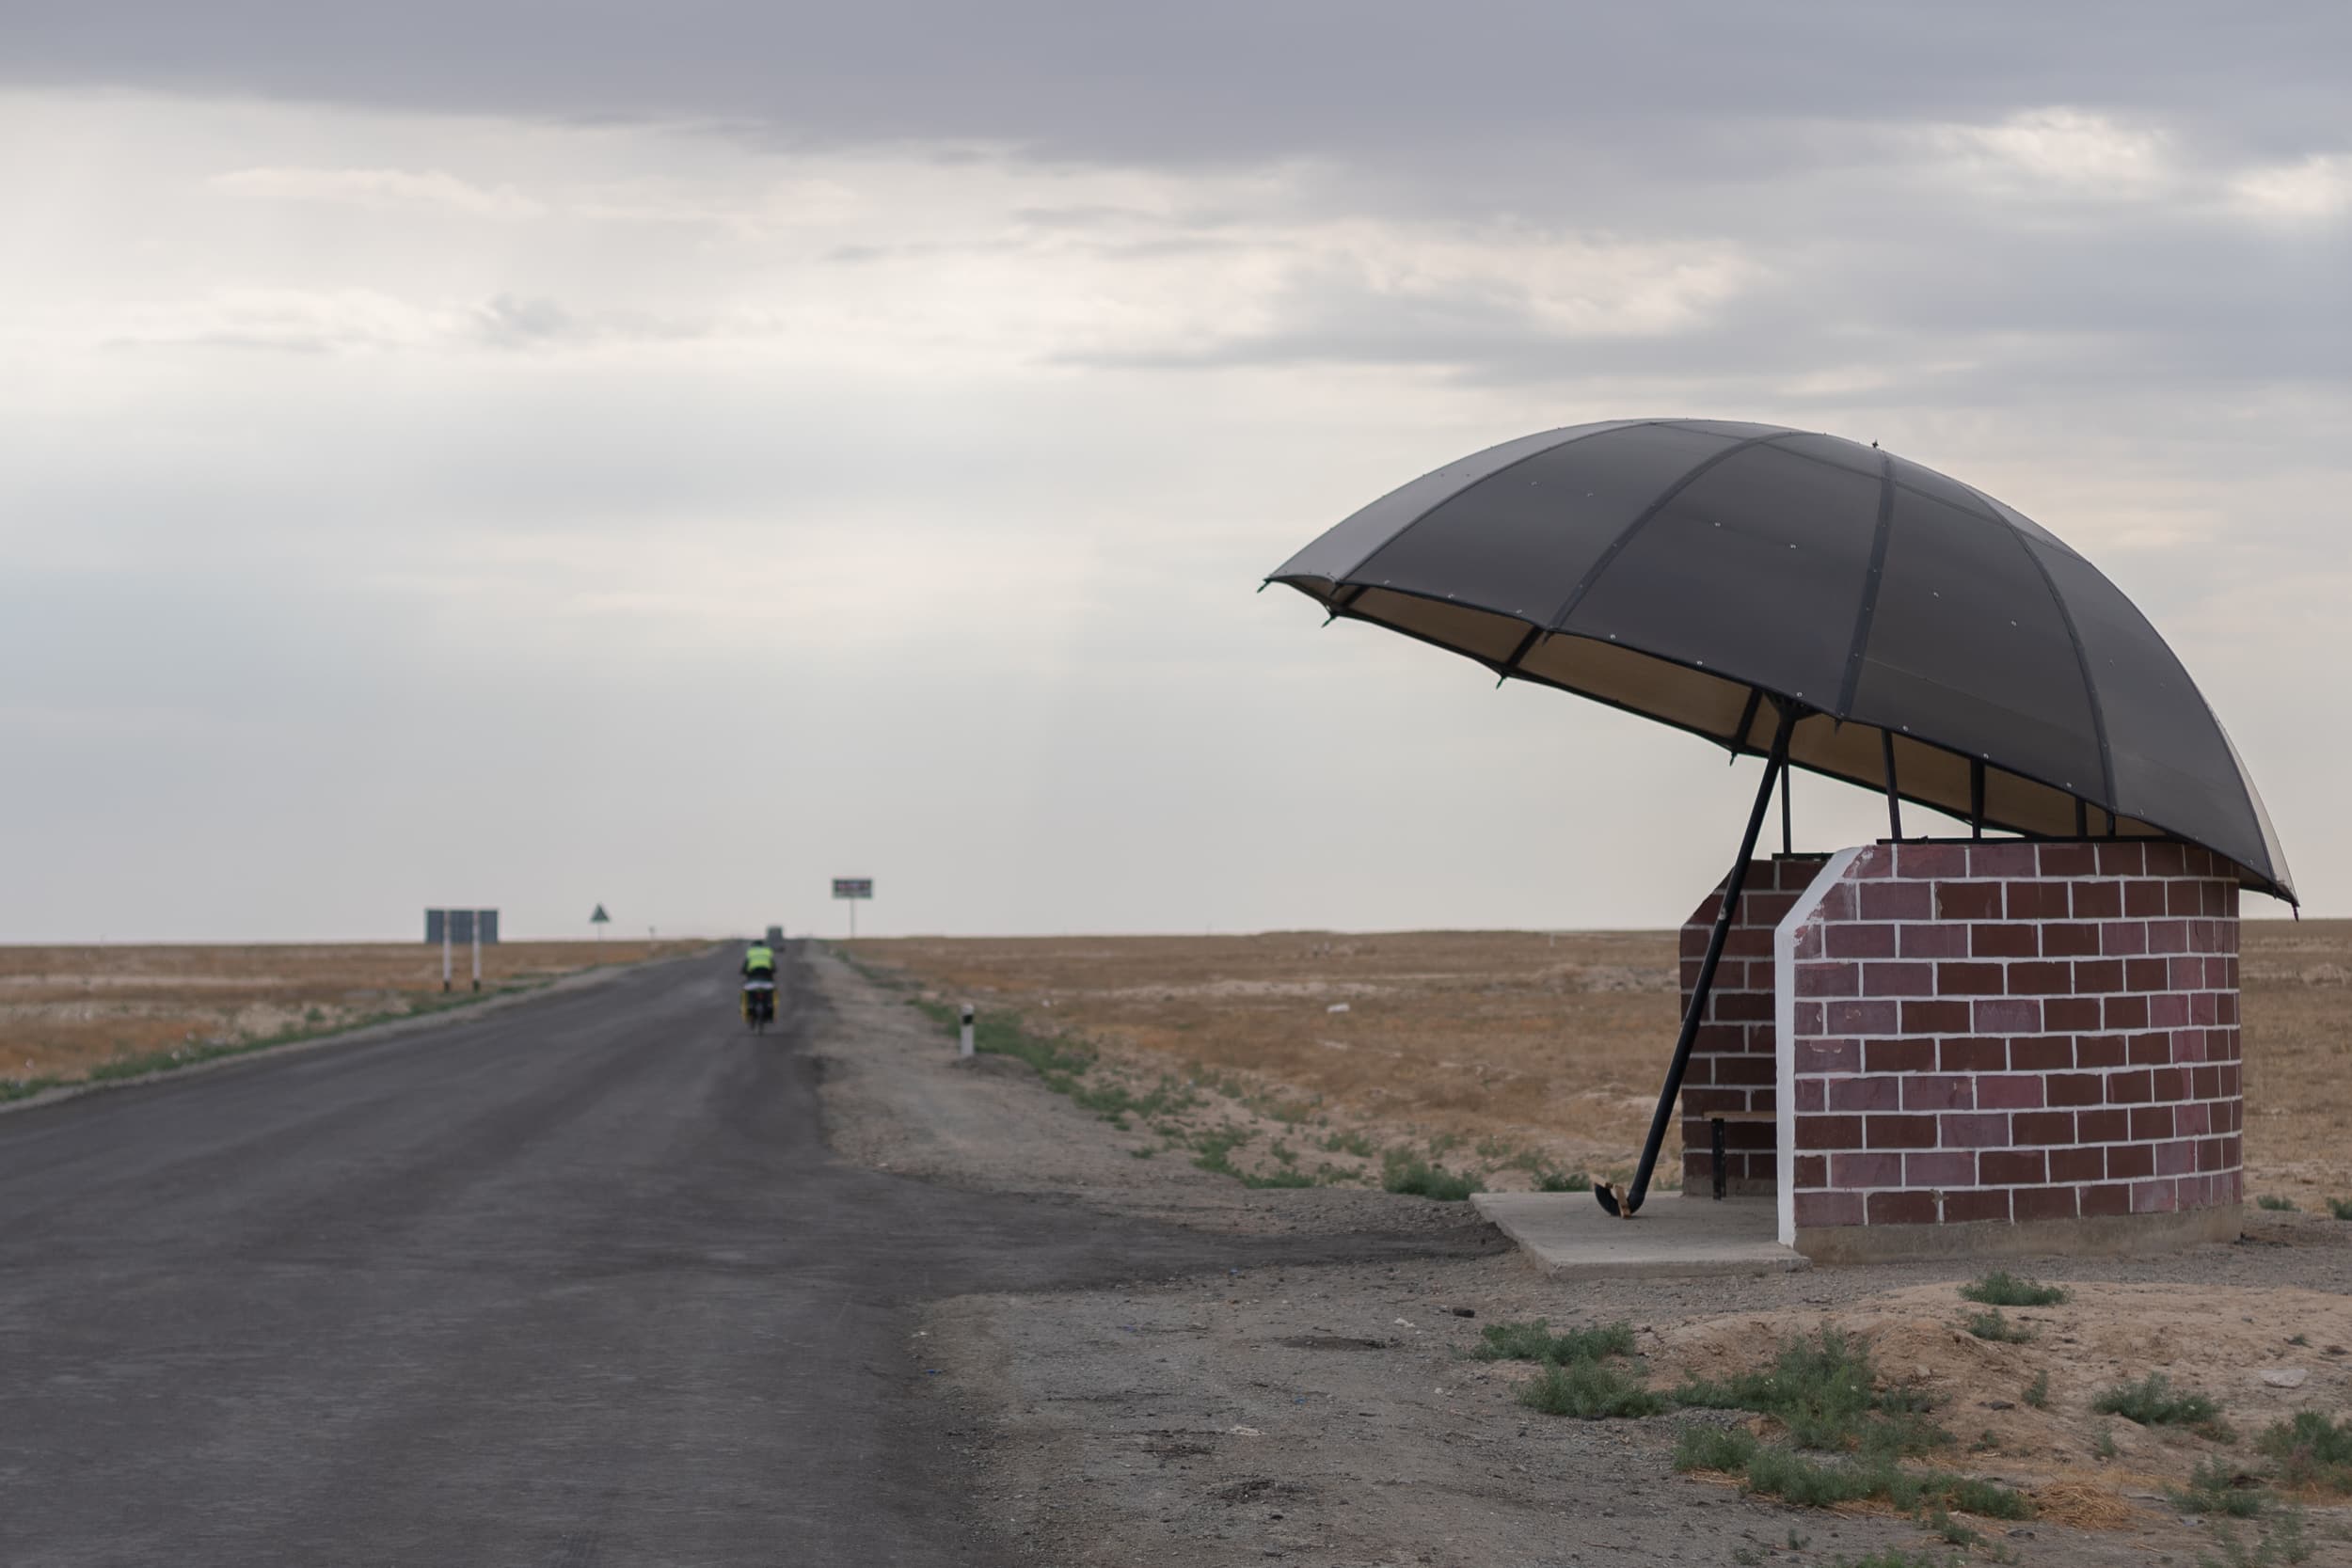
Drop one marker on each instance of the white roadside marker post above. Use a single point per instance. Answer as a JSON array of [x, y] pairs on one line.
[[445, 934], [963, 1046], [477, 950]]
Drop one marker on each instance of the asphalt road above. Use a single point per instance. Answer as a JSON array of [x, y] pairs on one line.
[[576, 1283]]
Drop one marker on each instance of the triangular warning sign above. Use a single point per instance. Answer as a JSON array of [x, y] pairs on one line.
[[599, 918]]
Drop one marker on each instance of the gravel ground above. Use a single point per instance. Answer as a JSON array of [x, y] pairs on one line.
[[1319, 1412], [898, 1098]]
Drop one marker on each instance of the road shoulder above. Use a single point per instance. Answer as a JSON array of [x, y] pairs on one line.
[[1328, 1413]]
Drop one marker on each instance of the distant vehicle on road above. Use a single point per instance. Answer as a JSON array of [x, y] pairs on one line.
[[775, 936]]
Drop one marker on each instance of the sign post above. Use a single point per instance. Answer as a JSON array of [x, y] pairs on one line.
[[853, 889], [599, 920], [480, 928]]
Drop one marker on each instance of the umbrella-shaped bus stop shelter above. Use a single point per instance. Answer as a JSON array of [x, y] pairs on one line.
[[1831, 606]]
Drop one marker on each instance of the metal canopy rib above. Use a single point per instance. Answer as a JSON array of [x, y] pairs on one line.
[[1871, 585], [2082, 659], [1625, 536]]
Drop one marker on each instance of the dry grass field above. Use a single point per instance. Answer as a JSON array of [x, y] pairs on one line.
[[65, 1012], [1546, 1045]]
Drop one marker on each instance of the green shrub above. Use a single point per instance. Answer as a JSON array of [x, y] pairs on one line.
[[1824, 1392], [2037, 1393], [2276, 1203], [1563, 1182], [1407, 1174], [2286, 1543], [1216, 1150], [1781, 1472], [1992, 1325], [2003, 1288], [2213, 1488], [1986, 1499], [2153, 1401], [1774, 1471], [1535, 1341], [2311, 1451], [1590, 1392], [1707, 1448], [2341, 1208]]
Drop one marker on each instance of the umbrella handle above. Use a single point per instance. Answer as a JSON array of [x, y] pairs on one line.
[[1704, 989]]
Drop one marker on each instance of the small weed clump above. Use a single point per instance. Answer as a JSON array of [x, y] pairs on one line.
[[2311, 1452], [1773, 1471], [2219, 1489], [1726, 1449], [2277, 1203], [1952, 1531], [1992, 1325], [2037, 1394], [2003, 1288], [1217, 1148], [2153, 1401], [1824, 1392], [1578, 1378], [1408, 1173], [1000, 1034], [2285, 1543], [1590, 1391], [1563, 1182], [2341, 1208], [1535, 1342]]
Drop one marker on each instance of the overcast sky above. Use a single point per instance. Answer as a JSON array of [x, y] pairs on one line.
[[536, 454]]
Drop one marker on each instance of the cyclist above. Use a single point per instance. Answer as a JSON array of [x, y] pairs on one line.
[[759, 984]]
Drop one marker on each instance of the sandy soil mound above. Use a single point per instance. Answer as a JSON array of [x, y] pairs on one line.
[[2235, 1345]]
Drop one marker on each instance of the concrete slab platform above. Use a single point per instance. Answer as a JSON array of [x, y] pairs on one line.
[[1568, 1235]]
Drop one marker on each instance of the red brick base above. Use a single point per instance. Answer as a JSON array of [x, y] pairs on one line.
[[1731, 1059], [2006, 1033]]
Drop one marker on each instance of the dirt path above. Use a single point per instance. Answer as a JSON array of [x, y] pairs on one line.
[[1327, 1414]]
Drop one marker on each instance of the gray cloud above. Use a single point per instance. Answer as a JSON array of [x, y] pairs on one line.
[[1227, 80], [937, 380]]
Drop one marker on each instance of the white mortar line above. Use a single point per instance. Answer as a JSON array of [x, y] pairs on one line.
[[1785, 1032]]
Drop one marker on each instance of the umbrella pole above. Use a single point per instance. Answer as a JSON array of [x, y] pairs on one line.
[[1704, 989]]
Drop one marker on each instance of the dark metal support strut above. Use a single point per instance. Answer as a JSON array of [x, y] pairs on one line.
[[1787, 831], [1894, 800], [1704, 989]]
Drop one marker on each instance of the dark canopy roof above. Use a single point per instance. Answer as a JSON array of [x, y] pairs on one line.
[[1678, 567]]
